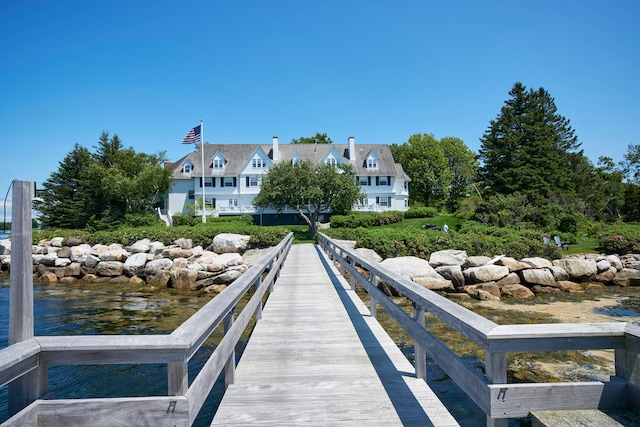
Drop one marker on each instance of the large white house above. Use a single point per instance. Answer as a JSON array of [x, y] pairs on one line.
[[233, 172]]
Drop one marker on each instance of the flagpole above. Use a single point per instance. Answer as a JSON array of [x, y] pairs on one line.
[[204, 217]]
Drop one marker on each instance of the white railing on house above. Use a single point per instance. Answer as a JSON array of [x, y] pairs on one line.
[[490, 391]]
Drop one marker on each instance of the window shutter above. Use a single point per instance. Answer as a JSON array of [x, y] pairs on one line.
[[247, 181], [377, 180], [368, 180], [388, 180], [235, 183], [213, 201], [389, 202], [200, 179], [377, 200], [214, 183]]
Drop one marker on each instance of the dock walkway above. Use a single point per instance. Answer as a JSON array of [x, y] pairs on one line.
[[317, 358]]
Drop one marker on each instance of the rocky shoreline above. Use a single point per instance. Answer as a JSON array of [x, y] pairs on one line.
[[179, 265], [485, 278], [182, 265]]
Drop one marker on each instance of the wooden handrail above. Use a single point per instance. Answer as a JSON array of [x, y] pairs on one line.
[[490, 391], [175, 349]]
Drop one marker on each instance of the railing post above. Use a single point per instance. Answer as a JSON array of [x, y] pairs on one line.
[[230, 365], [419, 353], [496, 372], [373, 305], [32, 385], [259, 307], [352, 280], [627, 365], [178, 378]]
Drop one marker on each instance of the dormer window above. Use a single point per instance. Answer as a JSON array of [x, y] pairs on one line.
[[296, 160], [258, 163], [217, 163], [187, 167], [331, 161], [372, 162]]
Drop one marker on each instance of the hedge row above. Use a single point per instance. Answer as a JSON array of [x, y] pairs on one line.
[[201, 234], [374, 219], [489, 242]]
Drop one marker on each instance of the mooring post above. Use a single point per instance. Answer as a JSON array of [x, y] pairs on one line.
[[27, 388]]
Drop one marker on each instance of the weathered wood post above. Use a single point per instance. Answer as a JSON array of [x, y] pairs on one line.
[[419, 353], [496, 371], [259, 307], [230, 365], [30, 386], [373, 304]]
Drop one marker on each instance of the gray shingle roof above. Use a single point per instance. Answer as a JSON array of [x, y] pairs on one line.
[[237, 155]]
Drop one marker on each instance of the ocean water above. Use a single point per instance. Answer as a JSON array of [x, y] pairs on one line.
[[86, 309]]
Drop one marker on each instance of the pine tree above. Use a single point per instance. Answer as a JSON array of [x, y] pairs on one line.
[[529, 148]]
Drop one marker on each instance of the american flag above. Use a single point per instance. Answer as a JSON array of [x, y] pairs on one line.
[[192, 136]]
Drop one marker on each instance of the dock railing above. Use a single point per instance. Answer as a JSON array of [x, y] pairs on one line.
[[24, 364], [498, 399]]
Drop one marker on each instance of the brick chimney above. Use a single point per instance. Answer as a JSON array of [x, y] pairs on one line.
[[352, 149], [276, 154]]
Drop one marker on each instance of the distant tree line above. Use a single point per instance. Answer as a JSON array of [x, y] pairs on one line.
[[529, 169]]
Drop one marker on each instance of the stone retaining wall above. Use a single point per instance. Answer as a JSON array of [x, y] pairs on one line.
[[180, 265], [463, 276]]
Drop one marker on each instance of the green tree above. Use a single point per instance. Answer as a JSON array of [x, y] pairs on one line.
[[319, 138], [112, 183], [631, 164], [463, 167], [529, 148], [59, 206], [631, 169], [423, 159], [310, 189]]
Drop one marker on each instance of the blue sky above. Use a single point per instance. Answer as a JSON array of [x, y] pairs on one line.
[[380, 71]]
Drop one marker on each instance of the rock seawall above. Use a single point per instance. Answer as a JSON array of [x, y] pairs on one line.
[[485, 278], [179, 265]]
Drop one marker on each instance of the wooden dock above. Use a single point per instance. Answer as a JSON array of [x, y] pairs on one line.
[[317, 358]]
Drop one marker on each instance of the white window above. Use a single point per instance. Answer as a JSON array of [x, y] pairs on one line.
[[229, 182], [372, 162], [218, 163], [259, 163], [331, 161], [382, 180], [233, 203], [187, 168], [364, 180], [253, 181]]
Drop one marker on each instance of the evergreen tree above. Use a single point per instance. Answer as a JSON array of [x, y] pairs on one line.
[[529, 148], [112, 183], [64, 204]]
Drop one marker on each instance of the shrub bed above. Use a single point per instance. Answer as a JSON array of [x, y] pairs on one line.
[[620, 239], [201, 234], [488, 241], [374, 219], [422, 212]]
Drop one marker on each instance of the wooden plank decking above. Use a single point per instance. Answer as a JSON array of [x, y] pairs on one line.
[[318, 358]]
